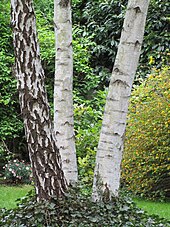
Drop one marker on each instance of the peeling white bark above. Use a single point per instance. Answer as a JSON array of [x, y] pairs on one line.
[[110, 147], [43, 152], [63, 98]]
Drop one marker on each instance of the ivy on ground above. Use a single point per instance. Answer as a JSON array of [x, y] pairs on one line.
[[79, 210]]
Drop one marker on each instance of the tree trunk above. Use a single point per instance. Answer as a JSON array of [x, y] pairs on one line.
[[63, 97], [110, 147], [43, 152]]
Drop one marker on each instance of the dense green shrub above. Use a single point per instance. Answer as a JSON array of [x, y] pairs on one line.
[[11, 127], [156, 38], [78, 210], [104, 20], [16, 171], [145, 168], [87, 127], [88, 119]]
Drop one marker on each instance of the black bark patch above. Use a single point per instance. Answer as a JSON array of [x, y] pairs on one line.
[[137, 43], [30, 31], [137, 9], [24, 56], [22, 67], [34, 136], [17, 6], [19, 19], [116, 70], [25, 8], [26, 36], [111, 99], [30, 59], [64, 3], [33, 77], [120, 82], [17, 68], [34, 40], [30, 125], [29, 66], [116, 134]]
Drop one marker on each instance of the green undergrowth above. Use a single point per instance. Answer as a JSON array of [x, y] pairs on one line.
[[78, 210]]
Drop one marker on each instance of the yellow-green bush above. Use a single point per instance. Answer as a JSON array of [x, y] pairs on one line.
[[146, 163]]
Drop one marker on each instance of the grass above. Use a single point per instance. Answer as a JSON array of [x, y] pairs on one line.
[[9, 194], [162, 209]]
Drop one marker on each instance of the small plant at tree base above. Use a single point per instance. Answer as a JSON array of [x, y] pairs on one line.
[[5, 156], [16, 171]]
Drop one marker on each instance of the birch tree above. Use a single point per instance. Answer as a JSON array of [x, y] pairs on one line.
[[63, 97], [110, 147], [43, 151]]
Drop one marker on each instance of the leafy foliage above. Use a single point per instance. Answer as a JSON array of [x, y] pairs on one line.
[[11, 126], [85, 81], [17, 172], [156, 38], [146, 168], [104, 20], [88, 119], [78, 210]]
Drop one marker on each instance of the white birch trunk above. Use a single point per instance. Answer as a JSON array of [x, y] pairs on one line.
[[43, 152], [111, 142], [63, 97]]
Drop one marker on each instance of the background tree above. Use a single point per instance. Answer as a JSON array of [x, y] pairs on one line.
[[43, 151], [63, 89], [110, 147]]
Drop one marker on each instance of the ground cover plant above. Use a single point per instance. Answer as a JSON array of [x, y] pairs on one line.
[[78, 210], [9, 196]]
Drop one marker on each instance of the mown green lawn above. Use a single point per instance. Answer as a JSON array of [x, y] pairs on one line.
[[153, 207], [9, 194]]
